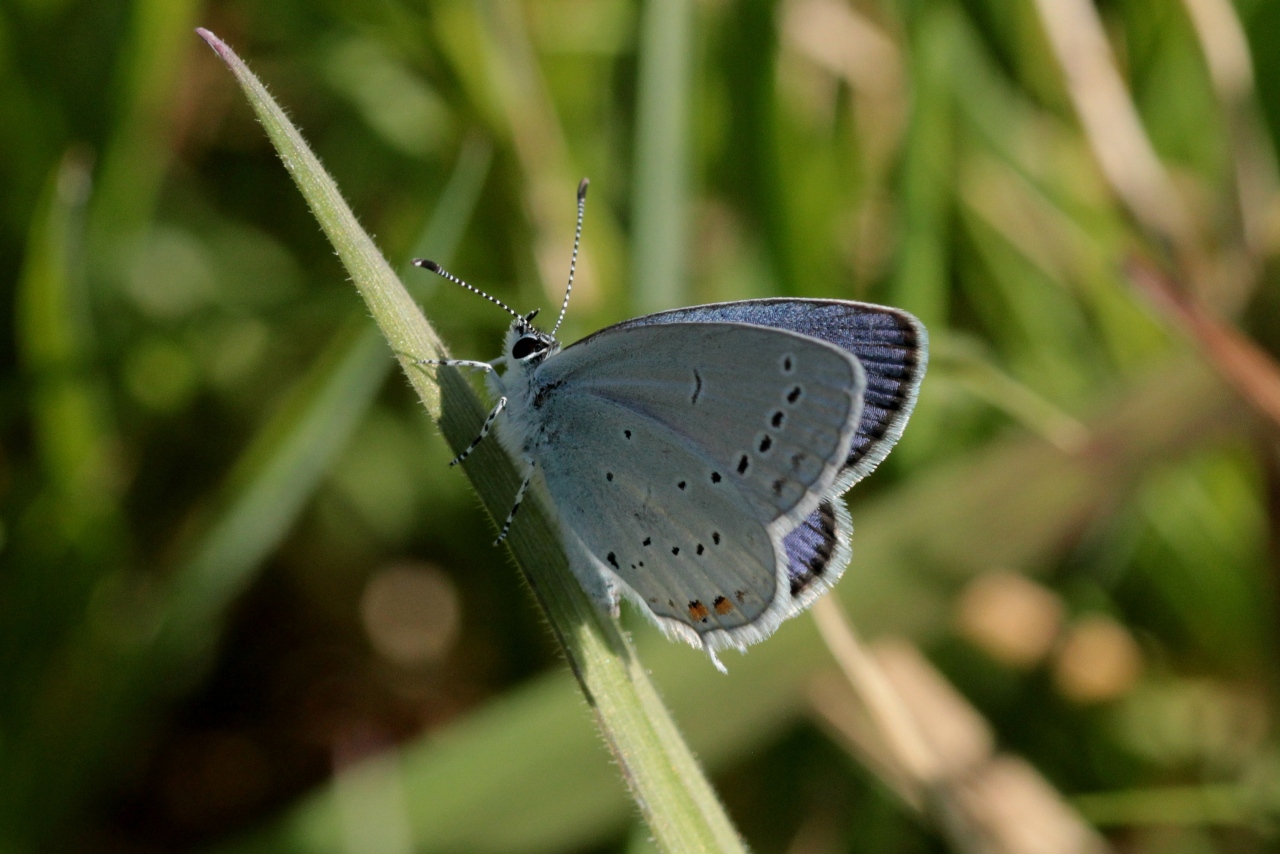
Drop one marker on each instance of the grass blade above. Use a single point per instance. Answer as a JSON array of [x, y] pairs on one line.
[[661, 187], [138, 154], [920, 282], [666, 781]]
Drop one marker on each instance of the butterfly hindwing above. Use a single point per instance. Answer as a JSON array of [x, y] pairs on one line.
[[818, 551], [648, 512]]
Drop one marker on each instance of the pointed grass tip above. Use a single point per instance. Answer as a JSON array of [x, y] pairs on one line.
[[218, 45]]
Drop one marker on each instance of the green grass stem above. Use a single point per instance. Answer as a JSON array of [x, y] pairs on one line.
[[661, 185], [664, 778]]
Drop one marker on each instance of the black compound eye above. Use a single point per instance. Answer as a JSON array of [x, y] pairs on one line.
[[525, 346]]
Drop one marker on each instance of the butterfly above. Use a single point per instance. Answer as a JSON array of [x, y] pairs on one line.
[[695, 459]]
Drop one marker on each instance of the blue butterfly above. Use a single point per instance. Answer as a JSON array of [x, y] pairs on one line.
[[695, 459]]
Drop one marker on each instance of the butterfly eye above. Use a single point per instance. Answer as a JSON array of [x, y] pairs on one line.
[[526, 346]]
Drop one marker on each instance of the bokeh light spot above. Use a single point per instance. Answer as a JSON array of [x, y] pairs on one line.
[[411, 613]]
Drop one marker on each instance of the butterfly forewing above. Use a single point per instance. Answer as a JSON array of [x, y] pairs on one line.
[[891, 345], [771, 413]]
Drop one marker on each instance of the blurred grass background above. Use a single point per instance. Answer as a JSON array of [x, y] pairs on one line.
[[245, 606]]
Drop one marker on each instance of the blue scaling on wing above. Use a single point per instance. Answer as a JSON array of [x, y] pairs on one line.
[[810, 548], [891, 345]]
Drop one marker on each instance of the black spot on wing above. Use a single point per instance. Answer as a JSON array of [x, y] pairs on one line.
[[887, 343]]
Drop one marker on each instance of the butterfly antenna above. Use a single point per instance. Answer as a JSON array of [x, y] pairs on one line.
[[441, 271], [573, 261]]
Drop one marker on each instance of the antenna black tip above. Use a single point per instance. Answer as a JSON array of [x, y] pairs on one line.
[[582, 189], [426, 264]]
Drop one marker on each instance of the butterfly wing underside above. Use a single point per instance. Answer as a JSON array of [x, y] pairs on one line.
[[891, 345], [893, 348], [681, 455]]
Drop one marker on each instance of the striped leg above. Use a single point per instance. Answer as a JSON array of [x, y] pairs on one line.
[[484, 431], [506, 526]]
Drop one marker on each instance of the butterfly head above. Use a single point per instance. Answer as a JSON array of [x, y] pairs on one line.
[[527, 345]]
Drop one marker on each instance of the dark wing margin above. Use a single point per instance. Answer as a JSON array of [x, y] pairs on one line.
[[818, 551], [891, 344], [810, 547]]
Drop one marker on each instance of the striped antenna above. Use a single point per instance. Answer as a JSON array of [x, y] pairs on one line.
[[573, 261], [441, 271]]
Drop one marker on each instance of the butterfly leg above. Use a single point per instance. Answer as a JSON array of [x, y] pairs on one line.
[[454, 363], [484, 431], [506, 526]]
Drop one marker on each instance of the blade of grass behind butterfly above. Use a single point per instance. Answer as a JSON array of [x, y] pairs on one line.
[[660, 191], [1012, 504], [673, 795], [138, 153], [122, 676], [921, 281], [920, 284], [749, 159], [490, 48]]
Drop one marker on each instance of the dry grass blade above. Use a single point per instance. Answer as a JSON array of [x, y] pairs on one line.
[[1110, 120], [886, 708], [908, 724], [1225, 46], [1250, 370]]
